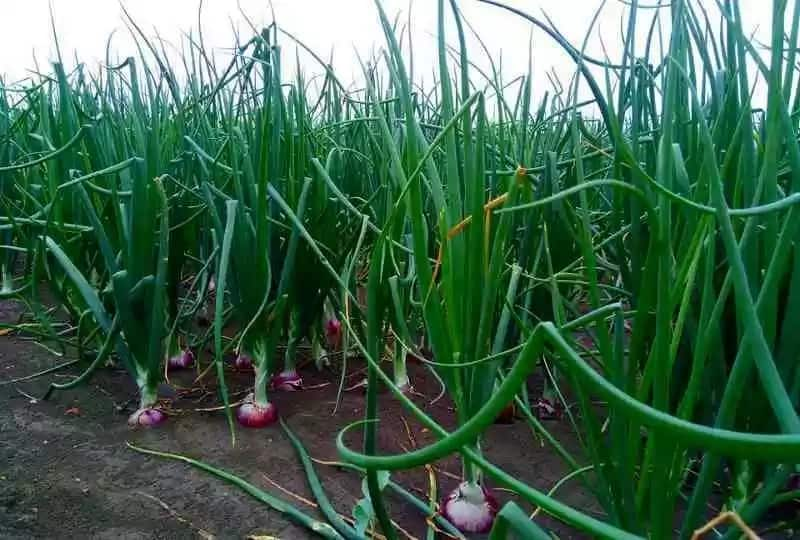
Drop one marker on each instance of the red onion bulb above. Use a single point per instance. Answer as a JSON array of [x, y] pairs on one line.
[[471, 508], [287, 381], [333, 332], [147, 417], [251, 414], [182, 360], [243, 362]]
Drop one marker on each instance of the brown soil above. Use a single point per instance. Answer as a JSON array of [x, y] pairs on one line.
[[67, 473]]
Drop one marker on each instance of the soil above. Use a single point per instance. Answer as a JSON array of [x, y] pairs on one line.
[[67, 472]]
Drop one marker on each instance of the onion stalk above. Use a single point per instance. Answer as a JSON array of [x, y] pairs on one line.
[[138, 289], [6, 279]]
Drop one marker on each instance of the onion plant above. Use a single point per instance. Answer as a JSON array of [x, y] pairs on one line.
[[258, 251], [137, 283], [460, 309]]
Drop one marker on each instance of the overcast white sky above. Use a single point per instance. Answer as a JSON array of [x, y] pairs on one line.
[[84, 26]]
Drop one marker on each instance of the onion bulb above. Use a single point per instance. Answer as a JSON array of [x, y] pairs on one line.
[[251, 414], [243, 362], [287, 381], [333, 332], [147, 417], [182, 360], [471, 508], [547, 409]]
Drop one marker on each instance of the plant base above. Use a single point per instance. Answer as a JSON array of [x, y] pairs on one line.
[[251, 414], [147, 417], [182, 360], [243, 362], [471, 508], [287, 381]]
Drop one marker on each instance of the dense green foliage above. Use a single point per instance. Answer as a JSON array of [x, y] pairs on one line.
[[493, 230]]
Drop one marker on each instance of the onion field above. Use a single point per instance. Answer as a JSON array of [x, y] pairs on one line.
[[390, 309]]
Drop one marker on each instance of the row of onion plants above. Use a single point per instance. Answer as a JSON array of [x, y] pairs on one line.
[[635, 250]]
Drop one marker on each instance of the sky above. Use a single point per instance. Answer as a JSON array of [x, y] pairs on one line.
[[342, 26]]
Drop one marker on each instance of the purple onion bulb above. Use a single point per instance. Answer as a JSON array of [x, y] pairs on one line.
[[333, 332], [287, 381], [182, 360], [243, 362], [471, 508], [147, 417], [251, 414]]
